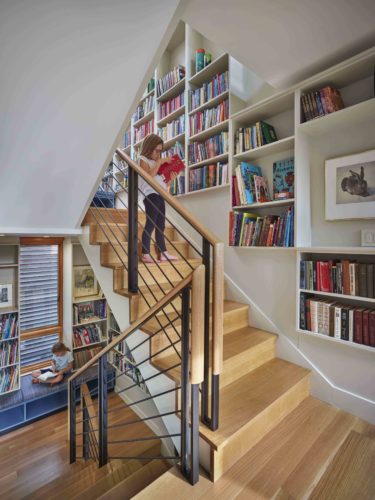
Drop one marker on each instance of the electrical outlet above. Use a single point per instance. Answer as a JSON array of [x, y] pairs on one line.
[[368, 237]]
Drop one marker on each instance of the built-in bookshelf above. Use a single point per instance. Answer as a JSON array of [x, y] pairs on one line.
[[336, 299], [9, 315]]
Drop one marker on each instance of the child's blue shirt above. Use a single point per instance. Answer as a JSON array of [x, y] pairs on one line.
[[62, 362]]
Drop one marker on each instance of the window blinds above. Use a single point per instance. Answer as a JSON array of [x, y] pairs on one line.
[[39, 286], [38, 349]]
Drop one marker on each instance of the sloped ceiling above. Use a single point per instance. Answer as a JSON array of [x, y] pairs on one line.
[[284, 41]]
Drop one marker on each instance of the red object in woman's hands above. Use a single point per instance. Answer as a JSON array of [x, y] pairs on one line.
[[176, 166]]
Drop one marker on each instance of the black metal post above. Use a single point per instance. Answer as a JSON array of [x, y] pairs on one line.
[[215, 388], [194, 419], [85, 431], [133, 231], [103, 411], [206, 383], [185, 306], [72, 421]]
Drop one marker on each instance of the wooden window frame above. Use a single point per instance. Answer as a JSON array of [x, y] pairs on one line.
[[48, 330]]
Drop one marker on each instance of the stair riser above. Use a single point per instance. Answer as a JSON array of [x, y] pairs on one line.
[[116, 234], [154, 275], [109, 215], [118, 254], [138, 307], [234, 320], [249, 435]]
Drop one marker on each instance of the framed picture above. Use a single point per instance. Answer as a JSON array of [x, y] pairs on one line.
[[84, 281], [6, 295], [350, 187]]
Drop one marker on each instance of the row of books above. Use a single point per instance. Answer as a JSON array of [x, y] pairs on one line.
[[89, 310], [254, 136], [127, 368], [247, 229], [321, 102], [8, 379], [82, 357], [167, 107], [203, 120], [8, 353], [145, 129], [216, 145], [90, 334], [177, 186], [342, 277], [172, 129], [127, 138], [170, 79], [354, 324], [8, 326], [144, 108], [176, 149], [208, 176], [249, 186], [218, 85]]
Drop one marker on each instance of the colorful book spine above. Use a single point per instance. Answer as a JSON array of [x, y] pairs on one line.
[[170, 79], [254, 136], [167, 107], [210, 117], [218, 85], [141, 132], [216, 145], [144, 108], [208, 176], [172, 129], [321, 102]]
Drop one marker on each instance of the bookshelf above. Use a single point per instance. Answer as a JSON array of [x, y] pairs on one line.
[[9, 320]]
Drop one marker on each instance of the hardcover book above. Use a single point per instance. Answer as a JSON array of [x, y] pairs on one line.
[[176, 166], [283, 179]]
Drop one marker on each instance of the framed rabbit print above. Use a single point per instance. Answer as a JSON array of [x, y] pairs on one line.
[[350, 187]]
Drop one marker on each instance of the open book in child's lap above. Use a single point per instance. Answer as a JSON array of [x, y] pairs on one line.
[[44, 376]]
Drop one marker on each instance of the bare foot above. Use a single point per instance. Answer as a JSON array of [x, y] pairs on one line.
[[35, 381]]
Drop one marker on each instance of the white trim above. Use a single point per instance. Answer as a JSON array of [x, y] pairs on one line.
[[39, 231]]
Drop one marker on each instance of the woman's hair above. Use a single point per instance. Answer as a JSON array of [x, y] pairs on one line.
[[59, 347], [150, 142]]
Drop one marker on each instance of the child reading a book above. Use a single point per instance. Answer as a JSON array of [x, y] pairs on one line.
[[62, 365], [150, 160]]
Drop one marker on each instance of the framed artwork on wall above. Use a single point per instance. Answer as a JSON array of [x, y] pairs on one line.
[[6, 296], [85, 283], [350, 187]]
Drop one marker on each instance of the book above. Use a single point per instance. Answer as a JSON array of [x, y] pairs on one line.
[[176, 166], [321, 102], [43, 377], [261, 189], [283, 179]]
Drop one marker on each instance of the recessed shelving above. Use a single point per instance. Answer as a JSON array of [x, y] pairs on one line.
[[268, 149], [267, 204], [173, 91], [177, 138], [346, 343], [213, 159], [211, 103], [90, 322], [209, 132], [149, 116], [339, 295], [172, 116], [218, 65]]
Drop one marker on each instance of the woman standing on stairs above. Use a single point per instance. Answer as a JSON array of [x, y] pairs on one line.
[[150, 160]]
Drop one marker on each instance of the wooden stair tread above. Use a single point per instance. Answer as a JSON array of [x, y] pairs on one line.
[[246, 398], [165, 265]]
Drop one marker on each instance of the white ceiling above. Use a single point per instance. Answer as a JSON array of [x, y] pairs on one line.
[[284, 41]]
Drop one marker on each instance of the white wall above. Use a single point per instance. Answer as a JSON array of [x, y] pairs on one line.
[[70, 73]]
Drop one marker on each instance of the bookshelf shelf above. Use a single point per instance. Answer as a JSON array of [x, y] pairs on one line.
[[145, 96], [213, 159], [92, 321], [88, 299], [349, 116], [8, 310], [268, 204], [144, 119], [265, 109], [338, 250], [339, 295], [175, 114], [205, 190], [8, 266], [210, 131], [8, 366], [267, 150], [346, 343], [173, 91], [218, 65], [92, 344], [170, 142], [292, 249], [211, 103], [9, 340]]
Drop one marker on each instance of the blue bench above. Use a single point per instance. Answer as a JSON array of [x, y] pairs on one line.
[[34, 401]]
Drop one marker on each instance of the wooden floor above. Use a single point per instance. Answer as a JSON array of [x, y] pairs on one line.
[[34, 461], [317, 452]]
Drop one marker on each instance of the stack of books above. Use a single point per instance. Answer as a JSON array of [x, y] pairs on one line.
[[170, 79], [343, 277], [216, 145], [203, 120], [321, 102], [172, 129], [167, 107], [144, 108], [208, 176], [127, 138], [8, 326], [82, 357], [249, 186], [8, 379], [252, 137], [8, 353], [248, 229], [177, 186], [90, 334], [334, 319], [283, 179], [176, 149], [209, 90], [145, 129]]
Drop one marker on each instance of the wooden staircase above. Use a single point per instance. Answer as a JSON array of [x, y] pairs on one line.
[[257, 390]]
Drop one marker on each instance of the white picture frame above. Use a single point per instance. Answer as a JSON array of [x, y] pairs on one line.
[[6, 296], [350, 187]]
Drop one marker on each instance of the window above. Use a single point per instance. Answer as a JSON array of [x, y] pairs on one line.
[[40, 300]]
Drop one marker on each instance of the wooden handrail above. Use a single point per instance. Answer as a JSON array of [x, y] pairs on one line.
[[188, 216], [197, 325], [137, 324], [218, 308]]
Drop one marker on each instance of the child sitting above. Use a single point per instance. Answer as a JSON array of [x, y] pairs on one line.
[[62, 365]]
